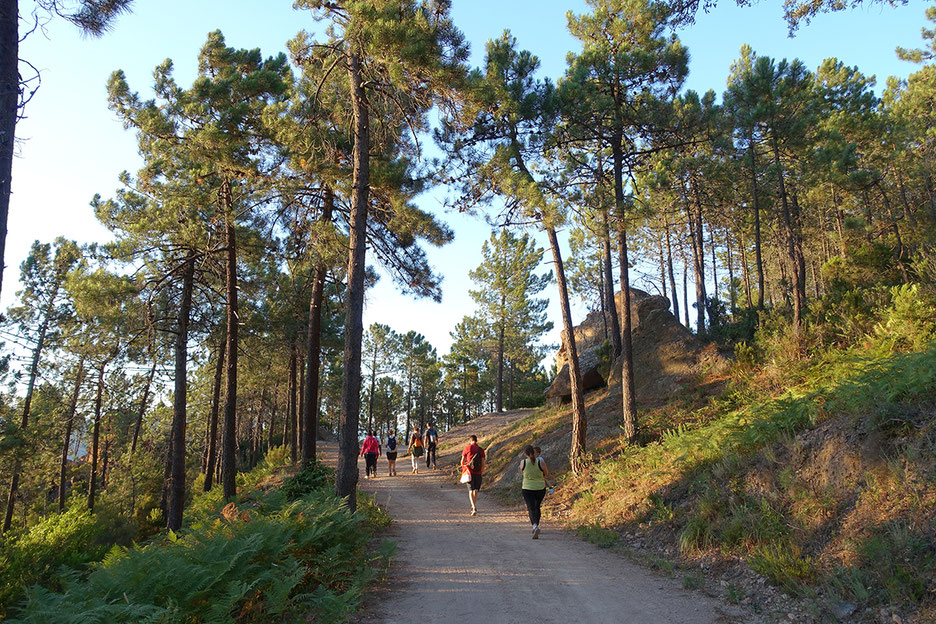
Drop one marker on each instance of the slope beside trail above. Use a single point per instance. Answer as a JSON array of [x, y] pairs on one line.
[[451, 567]]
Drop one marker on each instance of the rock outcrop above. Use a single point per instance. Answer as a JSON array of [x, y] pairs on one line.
[[667, 356]]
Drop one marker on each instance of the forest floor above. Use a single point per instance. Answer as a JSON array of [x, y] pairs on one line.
[[451, 567]]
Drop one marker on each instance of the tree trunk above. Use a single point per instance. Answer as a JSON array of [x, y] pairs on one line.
[[291, 431], [213, 418], [95, 436], [229, 443], [746, 276], [180, 393], [347, 474], [69, 425], [758, 259], [300, 429], [142, 410], [789, 230], [608, 278], [579, 421], [669, 267], [314, 343], [499, 386], [698, 260], [628, 392], [27, 404], [9, 109]]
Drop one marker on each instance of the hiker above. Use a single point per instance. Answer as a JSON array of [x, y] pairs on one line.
[[535, 481], [391, 454], [472, 457], [371, 451], [415, 449], [432, 439]]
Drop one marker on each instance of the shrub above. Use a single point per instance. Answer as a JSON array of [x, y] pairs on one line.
[[66, 539], [309, 556]]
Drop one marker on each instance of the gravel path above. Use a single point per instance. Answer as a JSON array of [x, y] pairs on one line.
[[451, 567]]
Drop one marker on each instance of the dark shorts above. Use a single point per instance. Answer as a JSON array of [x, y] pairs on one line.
[[391, 455], [475, 483]]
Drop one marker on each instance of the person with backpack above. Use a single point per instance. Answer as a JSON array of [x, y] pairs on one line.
[[535, 481], [391, 454], [432, 439], [371, 451], [472, 459], [416, 449]]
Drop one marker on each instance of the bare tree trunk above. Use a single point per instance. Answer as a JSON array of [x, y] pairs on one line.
[[300, 430], [213, 418], [180, 394], [347, 475], [96, 435], [669, 267], [229, 442], [27, 405], [610, 304], [758, 259], [628, 393], [142, 410], [499, 385], [579, 421], [746, 275], [291, 432], [310, 412], [9, 110], [69, 425]]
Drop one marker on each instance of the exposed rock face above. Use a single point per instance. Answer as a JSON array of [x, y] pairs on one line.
[[667, 356]]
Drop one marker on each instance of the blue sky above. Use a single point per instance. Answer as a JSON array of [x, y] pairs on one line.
[[73, 147]]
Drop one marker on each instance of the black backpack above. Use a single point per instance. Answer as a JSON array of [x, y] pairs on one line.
[[391, 443], [474, 463]]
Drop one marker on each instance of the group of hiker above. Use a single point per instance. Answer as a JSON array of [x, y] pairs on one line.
[[533, 470], [419, 444]]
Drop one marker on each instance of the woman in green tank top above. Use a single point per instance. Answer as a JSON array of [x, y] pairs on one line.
[[535, 475]]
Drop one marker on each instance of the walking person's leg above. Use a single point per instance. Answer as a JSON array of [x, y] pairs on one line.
[[530, 499], [538, 496]]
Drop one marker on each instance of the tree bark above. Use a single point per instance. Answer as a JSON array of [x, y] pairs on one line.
[[69, 425], [180, 393], [579, 421], [669, 267], [314, 347], [142, 410], [608, 278], [213, 418], [347, 474], [9, 109], [291, 432], [27, 405], [628, 392], [758, 259], [95, 435], [229, 443]]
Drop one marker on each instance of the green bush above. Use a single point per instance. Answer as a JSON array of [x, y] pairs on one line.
[[310, 556], [67, 539], [312, 477], [910, 320]]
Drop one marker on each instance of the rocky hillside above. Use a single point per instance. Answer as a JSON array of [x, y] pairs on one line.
[[668, 358]]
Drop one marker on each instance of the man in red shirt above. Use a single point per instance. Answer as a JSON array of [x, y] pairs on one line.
[[473, 458]]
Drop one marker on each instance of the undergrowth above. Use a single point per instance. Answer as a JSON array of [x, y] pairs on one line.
[[736, 475], [273, 554]]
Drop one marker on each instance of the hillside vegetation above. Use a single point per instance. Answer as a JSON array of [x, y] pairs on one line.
[[285, 549], [811, 464]]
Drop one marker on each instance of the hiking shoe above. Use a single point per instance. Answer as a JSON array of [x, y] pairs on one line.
[[474, 512], [536, 532]]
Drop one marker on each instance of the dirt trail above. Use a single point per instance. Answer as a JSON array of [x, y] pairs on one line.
[[451, 567]]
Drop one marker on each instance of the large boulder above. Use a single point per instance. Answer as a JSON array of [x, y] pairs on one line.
[[560, 390], [667, 356]]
